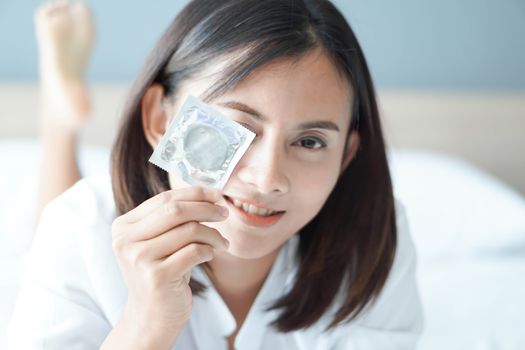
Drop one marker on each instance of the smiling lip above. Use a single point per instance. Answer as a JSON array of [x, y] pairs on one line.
[[252, 219]]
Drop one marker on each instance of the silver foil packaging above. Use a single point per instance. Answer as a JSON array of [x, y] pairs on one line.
[[201, 145]]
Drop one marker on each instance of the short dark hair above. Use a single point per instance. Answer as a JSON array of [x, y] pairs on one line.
[[349, 246]]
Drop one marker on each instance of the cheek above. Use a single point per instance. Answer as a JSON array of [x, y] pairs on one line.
[[312, 188]]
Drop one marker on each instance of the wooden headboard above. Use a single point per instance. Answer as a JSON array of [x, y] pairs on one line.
[[485, 128]]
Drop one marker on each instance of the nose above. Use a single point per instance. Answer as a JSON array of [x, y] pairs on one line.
[[263, 167]]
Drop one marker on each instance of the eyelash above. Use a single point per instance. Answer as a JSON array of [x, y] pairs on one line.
[[321, 142]]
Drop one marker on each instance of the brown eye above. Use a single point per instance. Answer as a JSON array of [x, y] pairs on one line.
[[312, 143]]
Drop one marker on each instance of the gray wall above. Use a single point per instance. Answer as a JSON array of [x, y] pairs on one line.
[[410, 44]]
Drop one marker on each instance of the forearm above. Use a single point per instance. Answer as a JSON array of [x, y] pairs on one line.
[[58, 169], [128, 335], [64, 35]]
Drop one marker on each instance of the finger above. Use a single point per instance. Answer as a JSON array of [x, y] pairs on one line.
[[175, 239], [187, 277], [194, 193], [173, 214], [182, 261]]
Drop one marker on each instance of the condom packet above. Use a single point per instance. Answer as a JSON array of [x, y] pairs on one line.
[[201, 145]]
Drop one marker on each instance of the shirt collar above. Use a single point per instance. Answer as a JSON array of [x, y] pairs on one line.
[[211, 319]]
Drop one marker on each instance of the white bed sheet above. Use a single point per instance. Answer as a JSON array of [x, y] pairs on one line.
[[471, 270]]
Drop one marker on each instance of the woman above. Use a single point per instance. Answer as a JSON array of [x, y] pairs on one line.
[[142, 260]]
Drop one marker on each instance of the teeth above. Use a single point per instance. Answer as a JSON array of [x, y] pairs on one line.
[[257, 211], [263, 212], [249, 208]]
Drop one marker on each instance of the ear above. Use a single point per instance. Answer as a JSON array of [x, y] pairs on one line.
[[154, 116], [351, 149]]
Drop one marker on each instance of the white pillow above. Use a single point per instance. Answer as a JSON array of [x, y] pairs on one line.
[[19, 185], [455, 209]]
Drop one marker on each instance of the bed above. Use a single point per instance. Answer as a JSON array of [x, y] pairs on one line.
[[457, 165]]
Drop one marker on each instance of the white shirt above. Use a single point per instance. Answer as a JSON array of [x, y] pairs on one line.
[[72, 292]]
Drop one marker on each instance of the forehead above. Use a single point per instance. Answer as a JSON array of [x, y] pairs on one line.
[[294, 90]]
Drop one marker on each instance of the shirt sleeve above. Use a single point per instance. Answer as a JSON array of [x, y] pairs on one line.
[[394, 320], [55, 307]]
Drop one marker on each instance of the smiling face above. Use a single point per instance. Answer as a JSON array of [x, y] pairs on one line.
[[300, 112]]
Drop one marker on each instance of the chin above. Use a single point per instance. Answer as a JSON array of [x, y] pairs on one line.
[[246, 248], [252, 248], [247, 242], [240, 253]]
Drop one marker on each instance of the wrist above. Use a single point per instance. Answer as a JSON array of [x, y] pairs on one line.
[[150, 335], [128, 334]]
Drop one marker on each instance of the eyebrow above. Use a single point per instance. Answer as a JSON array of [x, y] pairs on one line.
[[318, 124]]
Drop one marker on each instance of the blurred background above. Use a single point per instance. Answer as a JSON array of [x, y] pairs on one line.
[[410, 44], [450, 77], [452, 69]]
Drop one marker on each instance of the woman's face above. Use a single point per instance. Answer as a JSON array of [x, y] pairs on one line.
[[300, 113]]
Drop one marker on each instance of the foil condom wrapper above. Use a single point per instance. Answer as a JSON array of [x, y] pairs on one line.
[[201, 145]]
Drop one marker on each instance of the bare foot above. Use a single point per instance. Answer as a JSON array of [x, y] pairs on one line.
[[65, 36]]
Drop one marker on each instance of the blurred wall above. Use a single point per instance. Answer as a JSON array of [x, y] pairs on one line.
[[410, 44]]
